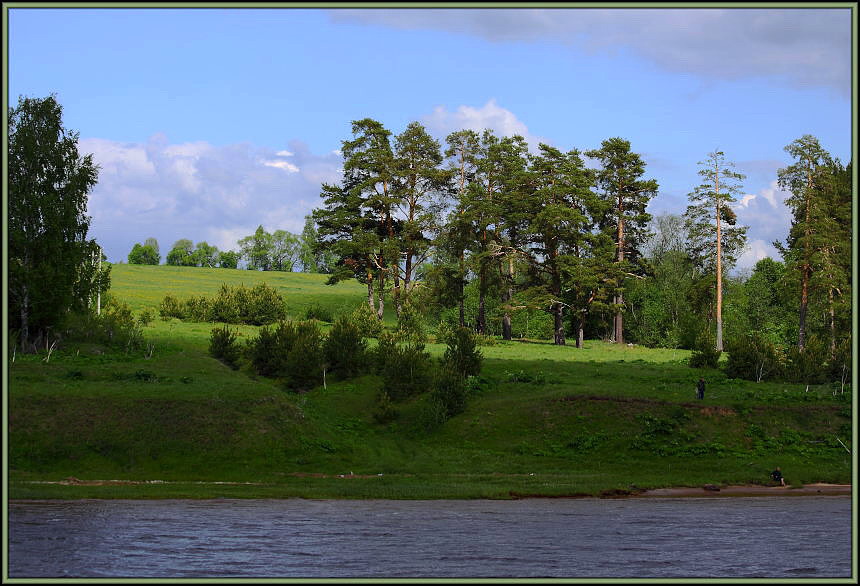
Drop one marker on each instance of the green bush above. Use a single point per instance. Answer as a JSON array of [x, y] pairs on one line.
[[264, 306], [261, 305], [318, 312], [810, 364], [223, 346], [115, 326], [462, 354], [145, 318], [385, 411], [366, 321], [410, 324], [407, 371], [705, 354], [291, 351], [344, 349], [171, 307], [449, 389], [753, 357]]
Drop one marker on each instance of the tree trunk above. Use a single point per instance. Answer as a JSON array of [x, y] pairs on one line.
[[719, 344], [370, 300], [482, 318], [557, 311], [507, 332], [461, 301], [24, 334], [804, 303], [619, 320], [832, 322]]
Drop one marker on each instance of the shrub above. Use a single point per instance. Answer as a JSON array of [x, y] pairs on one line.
[[809, 365], [385, 411], [407, 371], [449, 389], [344, 349], [291, 351], [171, 307], [227, 305], [410, 324], [197, 308], [114, 327], [267, 351], [753, 357], [366, 321], [264, 306], [705, 354], [462, 355], [223, 346], [145, 318], [317, 311]]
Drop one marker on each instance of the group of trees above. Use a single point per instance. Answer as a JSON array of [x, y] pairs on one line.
[[264, 251], [537, 230]]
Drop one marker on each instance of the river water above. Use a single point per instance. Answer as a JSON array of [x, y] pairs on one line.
[[770, 537]]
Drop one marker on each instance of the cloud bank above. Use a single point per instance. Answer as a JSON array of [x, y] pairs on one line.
[[200, 191], [801, 47]]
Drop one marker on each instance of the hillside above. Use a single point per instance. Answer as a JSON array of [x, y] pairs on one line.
[[541, 420]]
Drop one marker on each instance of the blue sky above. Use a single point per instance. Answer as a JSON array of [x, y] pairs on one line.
[[209, 122]]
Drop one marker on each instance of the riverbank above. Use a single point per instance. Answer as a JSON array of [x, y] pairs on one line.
[[72, 488]]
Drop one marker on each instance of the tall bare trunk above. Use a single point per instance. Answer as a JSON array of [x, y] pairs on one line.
[[619, 319], [719, 345]]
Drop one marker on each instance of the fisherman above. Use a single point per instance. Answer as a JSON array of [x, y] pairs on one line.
[[777, 476]]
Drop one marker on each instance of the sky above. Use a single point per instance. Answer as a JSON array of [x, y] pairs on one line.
[[207, 123]]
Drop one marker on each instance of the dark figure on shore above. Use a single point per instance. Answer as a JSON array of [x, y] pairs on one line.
[[700, 389], [777, 476]]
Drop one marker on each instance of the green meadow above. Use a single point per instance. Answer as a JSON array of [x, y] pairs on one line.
[[170, 421]]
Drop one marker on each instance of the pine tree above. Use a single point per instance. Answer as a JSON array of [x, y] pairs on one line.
[[715, 239], [806, 180], [626, 219]]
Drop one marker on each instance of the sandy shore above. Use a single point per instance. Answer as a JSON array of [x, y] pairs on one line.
[[709, 490]]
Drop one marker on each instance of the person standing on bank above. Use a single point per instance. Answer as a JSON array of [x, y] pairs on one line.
[[700, 388]]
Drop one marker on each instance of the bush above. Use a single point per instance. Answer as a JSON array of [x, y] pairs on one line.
[[223, 346], [291, 351], [385, 411], [318, 312], [145, 318], [462, 354], [449, 389], [809, 365], [705, 354], [410, 324], [261, 305], [344, 349], [264, 306], [754, 358], [407, 371], [114, 327], [171, 307], [364, 318]]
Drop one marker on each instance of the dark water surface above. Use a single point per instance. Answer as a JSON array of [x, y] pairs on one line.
[[773, 537]]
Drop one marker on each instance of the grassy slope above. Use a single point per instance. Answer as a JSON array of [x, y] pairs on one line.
[[599, 418]]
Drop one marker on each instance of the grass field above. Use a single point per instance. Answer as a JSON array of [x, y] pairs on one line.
[[543, 420]]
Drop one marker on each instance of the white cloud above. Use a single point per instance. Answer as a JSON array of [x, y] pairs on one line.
[[199, 191], [802, 47], [755, 251], [284, 154], [285, 165], [745, 200], [442, 122]]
